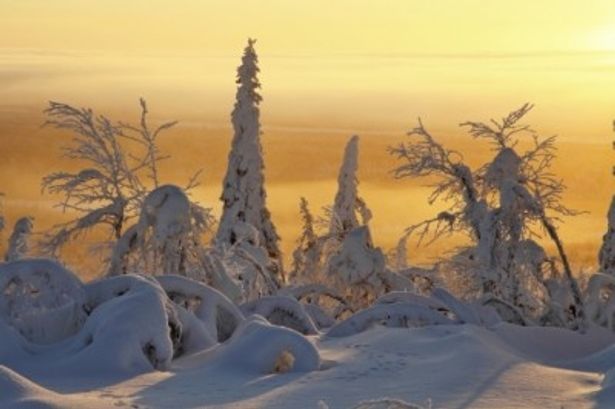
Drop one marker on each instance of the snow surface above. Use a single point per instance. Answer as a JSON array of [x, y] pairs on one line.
[[451, 366]]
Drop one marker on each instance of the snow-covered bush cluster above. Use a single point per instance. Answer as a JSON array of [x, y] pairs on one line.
[[499, 206], [167, 292], [128, 324]]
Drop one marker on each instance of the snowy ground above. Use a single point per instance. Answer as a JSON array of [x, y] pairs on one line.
[[460, 366]]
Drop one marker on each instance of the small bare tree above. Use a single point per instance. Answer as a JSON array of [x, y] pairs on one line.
[[497, 205], [121, 166]]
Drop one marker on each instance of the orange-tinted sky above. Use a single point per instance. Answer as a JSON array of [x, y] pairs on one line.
[[329, 69]]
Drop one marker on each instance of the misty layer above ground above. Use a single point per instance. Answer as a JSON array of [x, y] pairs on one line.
[[461, 366]]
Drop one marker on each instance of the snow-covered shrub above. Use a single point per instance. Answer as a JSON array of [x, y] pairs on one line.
[[248, 263], [165, 240], [262, 348], [41, 299], [322, 303], [244, 194], [133, 326], [124, 325], [18, 242], [359, 272], [220, 316], [216, 268], [497, 205], [357, 260], [407, 310], [600, 300], [394, 315], [282, 311]]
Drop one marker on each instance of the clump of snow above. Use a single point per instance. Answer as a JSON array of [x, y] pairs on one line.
[[260, 347], [41, 299], [129, 329], [283, 311], [357, 259], [161, 241]]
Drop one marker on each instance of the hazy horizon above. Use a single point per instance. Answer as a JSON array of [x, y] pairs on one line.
[[325, 77]]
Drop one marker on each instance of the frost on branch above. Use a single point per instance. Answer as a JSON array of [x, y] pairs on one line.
[[243, 194], [106, 191], [18, 242], [499, 206]]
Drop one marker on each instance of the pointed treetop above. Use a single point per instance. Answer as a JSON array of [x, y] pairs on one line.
[[347, 201]]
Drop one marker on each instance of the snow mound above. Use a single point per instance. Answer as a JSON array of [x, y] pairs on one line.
[[41, 299], [283, 311], [261, 348], [220, 316], [129, 329], [396, 315]]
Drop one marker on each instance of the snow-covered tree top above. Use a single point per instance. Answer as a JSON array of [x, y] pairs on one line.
[[348, 206]]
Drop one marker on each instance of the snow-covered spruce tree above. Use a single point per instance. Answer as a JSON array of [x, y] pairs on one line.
[[600, 294], [352, 265], [606, 257], [349, 211], [307, 256], [243, 192], [18, 242], [497, 205]]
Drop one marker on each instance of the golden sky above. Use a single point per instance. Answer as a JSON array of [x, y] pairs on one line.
[[329, 69]]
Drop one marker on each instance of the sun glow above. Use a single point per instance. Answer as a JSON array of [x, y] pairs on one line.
[[602, 38]]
